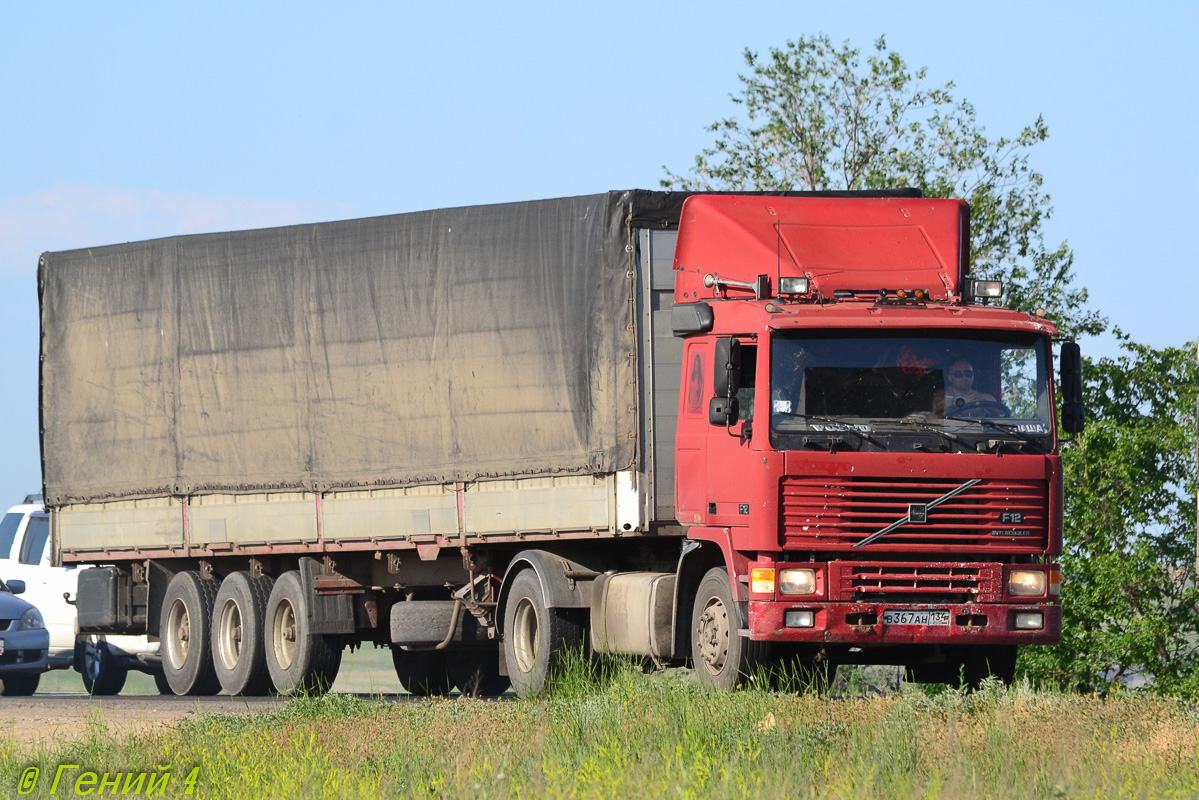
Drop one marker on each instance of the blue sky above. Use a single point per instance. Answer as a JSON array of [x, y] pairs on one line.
[[133, 120]]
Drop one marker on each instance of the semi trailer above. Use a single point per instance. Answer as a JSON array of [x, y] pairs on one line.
[[724, 430]]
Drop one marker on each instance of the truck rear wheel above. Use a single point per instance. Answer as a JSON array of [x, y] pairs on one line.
[[297, 659], [422, 673], [102, 675], [535, 636], [185, 634], [238, 644], [723, 658], [477, 674]]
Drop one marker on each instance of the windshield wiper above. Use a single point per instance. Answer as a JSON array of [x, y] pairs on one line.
[[920, 424], [843, 426], [1006, 427]]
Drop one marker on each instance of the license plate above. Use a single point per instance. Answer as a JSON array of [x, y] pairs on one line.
[[1, 647], [927, 617]]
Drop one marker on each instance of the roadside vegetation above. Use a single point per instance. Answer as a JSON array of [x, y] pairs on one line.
[[625, 734]]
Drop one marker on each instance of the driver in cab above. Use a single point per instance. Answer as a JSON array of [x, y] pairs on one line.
[[959, 390]]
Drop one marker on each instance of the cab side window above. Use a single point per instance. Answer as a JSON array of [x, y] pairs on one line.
[[35, 540]]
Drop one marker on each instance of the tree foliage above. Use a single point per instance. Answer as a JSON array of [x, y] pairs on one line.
[[1129, 593], [812, 116]]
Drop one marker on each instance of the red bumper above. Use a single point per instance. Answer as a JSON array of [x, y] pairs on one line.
[[862, 624]]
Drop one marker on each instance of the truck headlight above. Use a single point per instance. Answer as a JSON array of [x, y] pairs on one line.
[[1026, 582], [30, 620], [797, 581]]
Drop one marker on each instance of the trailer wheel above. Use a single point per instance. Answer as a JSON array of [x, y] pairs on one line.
[[102, 675], [297, 659], [186, 640], [477, 674], [723, 659], [422, 673], [238, 644], [535, 636]]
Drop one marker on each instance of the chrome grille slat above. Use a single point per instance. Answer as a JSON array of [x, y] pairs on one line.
[[821, 511]]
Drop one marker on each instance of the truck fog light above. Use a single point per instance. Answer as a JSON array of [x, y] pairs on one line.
[[799, 619], [1026, 582], [761, 580], [797, 581], [1029, 621]]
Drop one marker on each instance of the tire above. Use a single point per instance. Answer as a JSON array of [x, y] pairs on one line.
[[422, 673], [723, 659], [185, 632], [535, 637], [103, 675], [997, 661], [160, 682], [477, 674], [20, 685], [299, 661], [238, 640]]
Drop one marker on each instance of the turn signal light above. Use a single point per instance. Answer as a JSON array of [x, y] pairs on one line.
[[761, 580]]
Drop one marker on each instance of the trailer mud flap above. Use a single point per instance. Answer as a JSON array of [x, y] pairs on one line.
[[327, 613]]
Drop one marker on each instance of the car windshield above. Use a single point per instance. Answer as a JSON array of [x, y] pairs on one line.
[[994, 384]]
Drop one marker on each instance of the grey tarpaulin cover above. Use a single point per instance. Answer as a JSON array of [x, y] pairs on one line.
[[416, 348]]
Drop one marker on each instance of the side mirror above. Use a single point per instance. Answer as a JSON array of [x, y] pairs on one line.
[[1074, 415], [723, 411], [726, 367], [16, 587]]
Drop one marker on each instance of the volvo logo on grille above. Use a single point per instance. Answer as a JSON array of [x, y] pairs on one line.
[[918, 513]]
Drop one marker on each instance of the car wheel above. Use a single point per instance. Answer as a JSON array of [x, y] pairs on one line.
[[161, 683], [238, 643], [20, 685], [298, 660], [103, 674], [186, 637]]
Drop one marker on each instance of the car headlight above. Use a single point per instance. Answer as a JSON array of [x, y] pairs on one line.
[[1026, 582], [797, 581], [30, 620]]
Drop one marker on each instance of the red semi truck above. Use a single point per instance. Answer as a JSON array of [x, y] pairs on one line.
[[730, 430]]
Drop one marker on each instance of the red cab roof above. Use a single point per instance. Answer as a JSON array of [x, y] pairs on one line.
[[857, 243]]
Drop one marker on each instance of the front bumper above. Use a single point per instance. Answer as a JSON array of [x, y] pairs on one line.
[[25, 652], [862, 624]]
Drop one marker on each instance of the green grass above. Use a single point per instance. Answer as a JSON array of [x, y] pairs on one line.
[[623, 734]]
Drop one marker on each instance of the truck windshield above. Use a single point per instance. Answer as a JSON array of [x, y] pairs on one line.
[[958, 387]]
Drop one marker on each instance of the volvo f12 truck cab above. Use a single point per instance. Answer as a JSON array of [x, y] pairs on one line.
[[869, 444]]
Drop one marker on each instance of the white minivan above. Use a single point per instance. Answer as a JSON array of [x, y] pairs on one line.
[[104, 661]]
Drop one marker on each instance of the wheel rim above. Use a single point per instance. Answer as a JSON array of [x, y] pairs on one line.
[[179, 632], [524, 635], [283, 634], [91, 658], [229, 634], [713, 635]]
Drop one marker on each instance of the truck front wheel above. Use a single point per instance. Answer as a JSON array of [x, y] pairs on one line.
[[238, 645], [723, 658], [297, 659], [186, 638], [535, 636]]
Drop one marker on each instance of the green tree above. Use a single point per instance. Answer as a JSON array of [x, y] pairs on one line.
[[1129, 592], [813, 116]]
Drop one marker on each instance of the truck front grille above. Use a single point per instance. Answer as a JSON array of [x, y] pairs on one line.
[[832, 513], [915, 583]]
